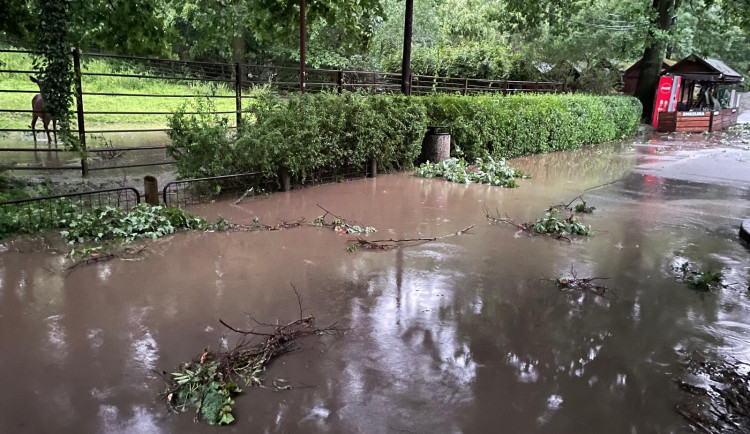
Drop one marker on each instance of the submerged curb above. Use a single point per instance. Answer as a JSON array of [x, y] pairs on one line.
[[745, 230]]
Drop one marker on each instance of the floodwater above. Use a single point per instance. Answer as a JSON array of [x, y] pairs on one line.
[[458, 335], [100, 176]]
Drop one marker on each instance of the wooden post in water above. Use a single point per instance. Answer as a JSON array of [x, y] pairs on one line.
[[79, 110]]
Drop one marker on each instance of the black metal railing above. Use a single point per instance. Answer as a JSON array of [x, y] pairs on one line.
[[48, 212], [198, 190], [327, 175]]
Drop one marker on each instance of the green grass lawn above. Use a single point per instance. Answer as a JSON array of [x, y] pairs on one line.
[[97, 103]]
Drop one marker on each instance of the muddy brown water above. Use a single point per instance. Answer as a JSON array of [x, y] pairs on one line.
[[459, 335]]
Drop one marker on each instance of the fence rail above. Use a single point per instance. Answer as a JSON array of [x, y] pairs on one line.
[[236, 78], [46, 212], [196, 190]]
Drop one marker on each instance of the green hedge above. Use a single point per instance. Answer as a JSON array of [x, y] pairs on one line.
[[307, 132], [519, 125], [313, 131]]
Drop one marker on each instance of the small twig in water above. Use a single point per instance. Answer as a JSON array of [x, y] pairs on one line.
[[586, 284]]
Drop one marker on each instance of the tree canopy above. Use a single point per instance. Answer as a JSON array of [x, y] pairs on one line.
[[586, 43]]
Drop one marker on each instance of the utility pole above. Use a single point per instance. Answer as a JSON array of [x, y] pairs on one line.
[[406, 64], [302, 73]]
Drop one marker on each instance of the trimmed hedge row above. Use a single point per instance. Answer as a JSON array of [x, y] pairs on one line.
[[517, 125], [313, 131]]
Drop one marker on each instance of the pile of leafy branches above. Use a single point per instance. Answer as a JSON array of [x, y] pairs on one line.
[[699, 280], [101, 224], [209, 383], [553, 224], [485, 171], [143, 221], [720, 403]]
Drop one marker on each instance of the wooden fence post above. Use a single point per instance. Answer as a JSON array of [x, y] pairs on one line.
[[340, 81], [466, 86], [238, 93], [79, 109]]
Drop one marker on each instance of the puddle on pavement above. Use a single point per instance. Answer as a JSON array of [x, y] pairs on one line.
[[459, 335]]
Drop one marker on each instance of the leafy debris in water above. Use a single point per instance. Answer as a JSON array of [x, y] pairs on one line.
[[700, 280], [552, 224], [485, 171]]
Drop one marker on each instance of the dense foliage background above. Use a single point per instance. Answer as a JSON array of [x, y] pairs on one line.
[[586, 43]]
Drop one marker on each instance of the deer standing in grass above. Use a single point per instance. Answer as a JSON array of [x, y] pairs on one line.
[[38, 110]]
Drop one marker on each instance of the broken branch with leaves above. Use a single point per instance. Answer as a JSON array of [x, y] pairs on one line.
[[209, 382]]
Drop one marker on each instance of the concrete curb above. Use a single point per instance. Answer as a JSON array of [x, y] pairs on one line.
[[745, 230]]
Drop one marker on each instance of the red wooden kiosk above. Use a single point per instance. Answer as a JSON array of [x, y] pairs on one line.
[[703, 97]]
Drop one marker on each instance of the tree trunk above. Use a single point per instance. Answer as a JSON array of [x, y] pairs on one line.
[[653, 55], [406, 60], [238, 49]]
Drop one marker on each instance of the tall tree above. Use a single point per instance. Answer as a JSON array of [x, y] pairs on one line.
[[660, 15], [656, 47]]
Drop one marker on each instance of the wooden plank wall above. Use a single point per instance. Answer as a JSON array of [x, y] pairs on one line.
[[667, 122], [717, 120], [692, 122], [697, 122], [729, 117]]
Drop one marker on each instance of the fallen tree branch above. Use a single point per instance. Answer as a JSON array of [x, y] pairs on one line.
[[258, 226], [340, 224], [209, 382], [97, 257], [527, 228], [392, 243], [566, 207], [238, 201]]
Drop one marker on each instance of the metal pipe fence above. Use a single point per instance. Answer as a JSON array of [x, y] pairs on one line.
[[229, 80], [197, 190], [40, 213]]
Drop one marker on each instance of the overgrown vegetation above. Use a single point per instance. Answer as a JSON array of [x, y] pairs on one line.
[[328, 131], [485, 171]]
